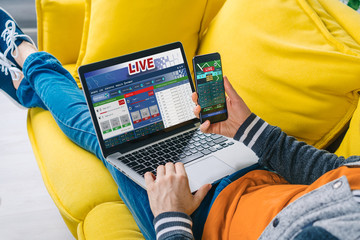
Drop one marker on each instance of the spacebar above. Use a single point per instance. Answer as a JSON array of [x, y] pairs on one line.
[[191, 158]]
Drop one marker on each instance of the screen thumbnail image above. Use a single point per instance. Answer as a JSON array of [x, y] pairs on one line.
[[125, 120], [154, 110], [136, 117], [115, 123], [145, 114], [105, 126]]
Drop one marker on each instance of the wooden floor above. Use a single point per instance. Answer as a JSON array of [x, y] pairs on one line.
[[26, 209]]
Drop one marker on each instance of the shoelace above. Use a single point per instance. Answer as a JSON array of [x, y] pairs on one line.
[[9, 35], [8, 67]]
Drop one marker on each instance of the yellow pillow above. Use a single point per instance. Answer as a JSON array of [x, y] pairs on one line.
[[296, 63], [114, 28], [351, 142]]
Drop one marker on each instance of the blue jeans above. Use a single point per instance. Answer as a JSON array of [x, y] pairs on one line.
[[48, 85]]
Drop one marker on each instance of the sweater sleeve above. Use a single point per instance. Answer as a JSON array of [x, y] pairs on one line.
[[173, 226], [297, 162]]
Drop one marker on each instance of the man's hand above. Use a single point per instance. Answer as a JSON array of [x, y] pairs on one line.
[[238, 112], [170, 191]]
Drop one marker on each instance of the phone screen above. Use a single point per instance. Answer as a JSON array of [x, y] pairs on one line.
[[210, 87]]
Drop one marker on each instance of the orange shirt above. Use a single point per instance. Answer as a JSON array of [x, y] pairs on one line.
[[245, 207]]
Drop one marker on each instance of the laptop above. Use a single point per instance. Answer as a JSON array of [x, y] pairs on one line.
[[142, 111]]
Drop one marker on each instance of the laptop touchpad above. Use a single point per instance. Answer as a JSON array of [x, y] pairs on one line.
[[207, 170]]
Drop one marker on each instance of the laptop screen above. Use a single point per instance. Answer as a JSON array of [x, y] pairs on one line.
[[141, 96]]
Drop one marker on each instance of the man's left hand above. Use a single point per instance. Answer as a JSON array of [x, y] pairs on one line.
[[169, 191]]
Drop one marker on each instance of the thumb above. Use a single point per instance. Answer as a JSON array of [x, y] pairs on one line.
[[201, 193], [230, 91]]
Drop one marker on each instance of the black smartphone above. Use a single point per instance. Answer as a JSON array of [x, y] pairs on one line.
[[210, 87]]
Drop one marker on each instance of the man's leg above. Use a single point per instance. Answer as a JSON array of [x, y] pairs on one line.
[[58, 91]]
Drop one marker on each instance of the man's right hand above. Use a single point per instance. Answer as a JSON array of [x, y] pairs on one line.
[[238, 112]]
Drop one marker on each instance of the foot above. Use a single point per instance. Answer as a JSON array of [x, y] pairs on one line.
[[11, 38], [8, 73]]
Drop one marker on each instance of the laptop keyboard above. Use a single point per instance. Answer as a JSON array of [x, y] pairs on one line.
[[183, 148]]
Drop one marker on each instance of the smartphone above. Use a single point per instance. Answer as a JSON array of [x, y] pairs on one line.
[[210, 87]]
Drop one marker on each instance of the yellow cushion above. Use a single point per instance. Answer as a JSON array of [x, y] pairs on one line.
[[109, 221], [296, 63], [114, 28], [351, 142], [59, 25], [76, 180]]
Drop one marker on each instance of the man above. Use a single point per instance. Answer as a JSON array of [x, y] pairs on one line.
[[313, 194]]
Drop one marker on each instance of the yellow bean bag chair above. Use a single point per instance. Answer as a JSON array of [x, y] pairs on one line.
[[296, 63]]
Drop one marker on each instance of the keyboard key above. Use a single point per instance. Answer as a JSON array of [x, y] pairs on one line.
[[220, 140], [179, 151], [193, 150], [144, 170], [138, 167], [191, 158], [205, 151], [132, 164], [218, 147], [205, 146], [215, 136], [188, 153], [212, 149], [230, 143], [125, 161]]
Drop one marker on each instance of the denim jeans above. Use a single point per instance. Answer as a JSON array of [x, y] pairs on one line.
[[48, 85]]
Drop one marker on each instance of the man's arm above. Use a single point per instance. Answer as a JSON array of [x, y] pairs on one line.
[[296, 161], [172, 202], [173, 225]]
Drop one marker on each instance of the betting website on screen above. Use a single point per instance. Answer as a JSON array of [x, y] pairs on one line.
[[140, 97]]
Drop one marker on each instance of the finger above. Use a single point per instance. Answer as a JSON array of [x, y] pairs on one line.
[[197, 110], [180, 169], [230, 91], [170, 168], [205, 127], [201, 193], [160, 171], [194, 97], [149, 179]]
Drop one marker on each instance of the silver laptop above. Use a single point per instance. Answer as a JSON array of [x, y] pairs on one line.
[[142, 112]]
